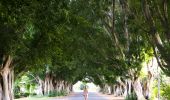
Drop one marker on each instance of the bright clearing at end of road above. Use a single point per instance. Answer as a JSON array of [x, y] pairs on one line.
[[91, 87]]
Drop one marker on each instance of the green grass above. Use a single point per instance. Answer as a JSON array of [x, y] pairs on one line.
[[36, 98], [33, 98]]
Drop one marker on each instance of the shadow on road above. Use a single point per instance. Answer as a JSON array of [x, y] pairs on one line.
[[92, 96]]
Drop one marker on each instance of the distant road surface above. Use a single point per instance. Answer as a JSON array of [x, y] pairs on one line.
[[92, 96]]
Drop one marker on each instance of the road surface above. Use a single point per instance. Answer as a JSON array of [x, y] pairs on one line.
[[92, 96]]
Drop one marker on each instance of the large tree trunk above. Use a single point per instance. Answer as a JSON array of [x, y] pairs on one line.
[[71, 87], [51, 85], [118, 91], [48, 84], [5, 85], [112, 89], [138, 89], [67, 87], [105, 89], [129, 86], [1, 91], [125, 88], [6, 78], [45, 86], [151, 68], [40, 87], [62, 85], [59, 85]]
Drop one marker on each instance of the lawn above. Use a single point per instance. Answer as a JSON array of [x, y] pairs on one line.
[[38, 98]]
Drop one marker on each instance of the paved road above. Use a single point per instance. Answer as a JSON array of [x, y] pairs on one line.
[[92, 96]]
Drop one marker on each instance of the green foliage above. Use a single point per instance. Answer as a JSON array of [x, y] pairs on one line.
[[57, 93], [83, 86], [165, 91], [69, 38], [131, 97], [25, 86], [20, 95], [154, 93]]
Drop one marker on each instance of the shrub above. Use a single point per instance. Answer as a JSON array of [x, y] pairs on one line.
[[166, 92], [57, 93], [131, 96], [24, 94], [16, 96]]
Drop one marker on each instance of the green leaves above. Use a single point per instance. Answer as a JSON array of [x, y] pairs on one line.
[[76, 37]]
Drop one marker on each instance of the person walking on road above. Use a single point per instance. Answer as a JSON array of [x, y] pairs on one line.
[[85, 93]]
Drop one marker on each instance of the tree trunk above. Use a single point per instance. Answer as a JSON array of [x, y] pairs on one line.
[[56, 85], [117, 90], [125, 88], [112, 89], [129, 86], [5, 85], [138, 89], [6, 77], [105, 89], [59, 85], [151, 67], [62, 85], [46, 85], [1, 91], [71, 88], [51, 84], [40, 87], [67, 87]]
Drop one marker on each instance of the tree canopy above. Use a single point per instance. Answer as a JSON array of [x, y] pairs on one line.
[[69, 40]]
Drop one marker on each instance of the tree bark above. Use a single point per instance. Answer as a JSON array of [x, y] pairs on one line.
[[51, 84], [126, 88], [46, 85], [138, 89], [112, 89], [40, 87], [5, 85], [148, 84], [1, 91], [6, 76], [129, 86], [71, 87]]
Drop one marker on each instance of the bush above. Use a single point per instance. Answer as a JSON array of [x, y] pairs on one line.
[[24, 94], [16, 96], [57, 93], [166, 92], [33, 94], [131, 97]]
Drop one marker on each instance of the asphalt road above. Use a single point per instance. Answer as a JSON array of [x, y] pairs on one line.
[[92, 96]]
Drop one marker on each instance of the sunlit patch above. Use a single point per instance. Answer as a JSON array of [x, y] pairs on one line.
[[91, 87]]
